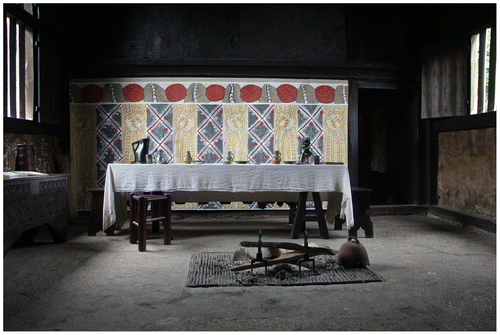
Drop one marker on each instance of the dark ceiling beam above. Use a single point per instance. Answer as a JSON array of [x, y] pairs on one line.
[[108, 68]]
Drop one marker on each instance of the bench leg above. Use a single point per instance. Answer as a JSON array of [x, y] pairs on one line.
[[293, 209], [369, 229], [167, 223], [155, 212], [111, 230], [361, 211], [366, 224], [338, 222], [95, 223], [141, 213], [133, 220], [354, 230], [298, 221]]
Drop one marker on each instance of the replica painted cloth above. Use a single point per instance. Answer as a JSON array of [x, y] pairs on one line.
[[252, 118]]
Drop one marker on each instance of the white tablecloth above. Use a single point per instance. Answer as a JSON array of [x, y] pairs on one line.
[[223, 182]]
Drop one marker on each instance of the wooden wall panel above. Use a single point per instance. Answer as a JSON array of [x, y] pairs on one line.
[[444, 81]]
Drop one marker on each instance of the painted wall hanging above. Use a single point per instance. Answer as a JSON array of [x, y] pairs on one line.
[[252, 118]]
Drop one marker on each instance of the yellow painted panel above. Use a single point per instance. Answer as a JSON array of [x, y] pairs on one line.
[[134, 128], [185, 131], [335, 127], [236, 205], [185, 206], [286, 130], [236, 131], [83, 156]]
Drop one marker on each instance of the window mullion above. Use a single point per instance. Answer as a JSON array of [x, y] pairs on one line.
[[473, 73], [481, 77], [36, 70], [21, 72], [11, 112], [492, 71], [6, 67]]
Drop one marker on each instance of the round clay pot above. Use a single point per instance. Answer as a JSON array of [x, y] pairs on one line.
[[352, 254]]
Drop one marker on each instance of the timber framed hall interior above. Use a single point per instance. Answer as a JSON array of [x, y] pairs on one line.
[[404, 95]]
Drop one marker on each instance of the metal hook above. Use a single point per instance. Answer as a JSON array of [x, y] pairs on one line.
[[306, 255], [259, 257]]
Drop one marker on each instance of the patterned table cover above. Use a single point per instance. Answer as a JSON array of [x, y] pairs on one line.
[[234, 182]]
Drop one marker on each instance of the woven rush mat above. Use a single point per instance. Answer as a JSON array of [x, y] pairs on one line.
[[208, 269]]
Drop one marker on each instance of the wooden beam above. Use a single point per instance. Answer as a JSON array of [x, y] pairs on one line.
[[478, 121], [109, 68], [353, 131]]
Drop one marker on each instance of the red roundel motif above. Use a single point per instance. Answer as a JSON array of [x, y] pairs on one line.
[[325, 94], [250, 93], [133, 93], [215, 92], [92, 93], [176, 92], [287, 93]]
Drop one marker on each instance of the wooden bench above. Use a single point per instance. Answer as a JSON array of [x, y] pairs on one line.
[[361, 213], [297, 213], [95, 223]]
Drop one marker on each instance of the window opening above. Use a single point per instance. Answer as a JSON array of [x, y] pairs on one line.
[[482, 71], [20, 68]]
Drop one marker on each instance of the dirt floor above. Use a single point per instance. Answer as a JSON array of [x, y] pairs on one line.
[[438, 276]]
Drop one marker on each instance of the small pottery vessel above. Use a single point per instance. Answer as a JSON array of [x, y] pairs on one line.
[[189, 158], [352, 254], [306, 151], [25, 159], [229, 158], [277, 157]]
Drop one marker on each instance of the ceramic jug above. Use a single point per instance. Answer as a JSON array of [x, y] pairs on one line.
[[277, 157], [306, 152], [230, 157], [189, 158], [25, 159], [140, 149]]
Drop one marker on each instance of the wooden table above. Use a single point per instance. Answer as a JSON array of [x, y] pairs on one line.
[[224, 182]]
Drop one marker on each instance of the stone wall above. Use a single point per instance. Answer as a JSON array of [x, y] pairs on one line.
[[467, 171], [48, 158]]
